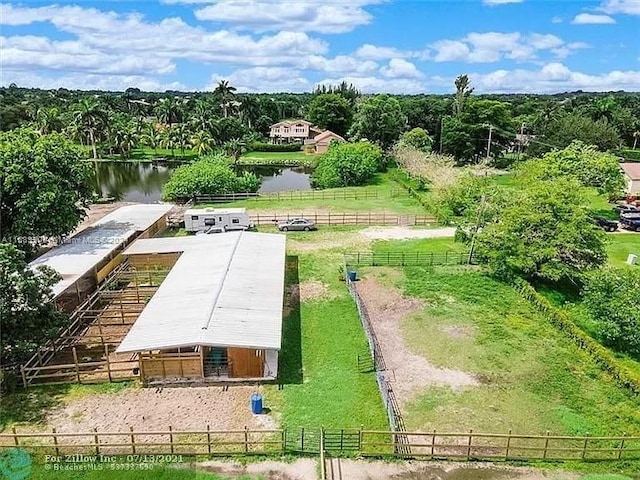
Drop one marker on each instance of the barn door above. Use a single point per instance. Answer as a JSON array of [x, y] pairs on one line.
[[246, 362]]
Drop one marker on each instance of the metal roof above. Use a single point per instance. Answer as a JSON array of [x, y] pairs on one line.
[[631, 169], [79, 254], [214, 211], [225, 290]]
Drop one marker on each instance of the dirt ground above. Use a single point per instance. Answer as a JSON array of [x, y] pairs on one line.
[[408, 372], [399, 233], [147, 409], [342, 469], [312, 290]]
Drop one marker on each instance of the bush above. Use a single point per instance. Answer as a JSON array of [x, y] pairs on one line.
[[209, 176], [273, 147], [347, 164], [633, 155], [612, 298]]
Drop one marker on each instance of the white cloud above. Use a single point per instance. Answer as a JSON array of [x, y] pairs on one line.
[[591, 19], [556, 19], [341, 64], [264, 79], [553, 78], [628, 7], [261, 15], [500, 2], [380, 85], [490, 47], [400, 68], [374, 52]]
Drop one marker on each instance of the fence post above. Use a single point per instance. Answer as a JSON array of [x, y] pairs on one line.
[[75, 361], [246, 440], [360, 438], [133, 441], [55, 441], [546, 446], [469, 445], [106, 355], [584, 446], [208, 439], [96, 440], [284, 440], [433, 443], [302, 439], [15, 436], [171, 438], [506, 454], [621, 446], [24, 376]]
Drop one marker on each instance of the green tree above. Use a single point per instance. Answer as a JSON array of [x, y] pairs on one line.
[[331, 111], [585, 163], [208, 176], [463, 92], [561, 131], [234, 148], [456, 140], [48, 120], [380, 120], [225, 93], [612, 300], [44, 186], [544, 232], [249, 110], [417, 138], [202, 143], [347, 164], [92, 120], [27, 310]]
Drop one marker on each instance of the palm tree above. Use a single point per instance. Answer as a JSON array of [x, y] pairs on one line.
[[169, 140], [636, 135], [202, 142], [167, 111], [48, 120], [225, 94], [152, 138], [234, 148], [182, 136], [249, 110], [92, 119]]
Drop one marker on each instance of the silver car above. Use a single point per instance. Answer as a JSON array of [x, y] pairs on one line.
[[296, 224]]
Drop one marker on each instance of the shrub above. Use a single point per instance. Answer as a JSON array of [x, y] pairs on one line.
[[209, 176], [612, 298], [347, 164], [273, 147]]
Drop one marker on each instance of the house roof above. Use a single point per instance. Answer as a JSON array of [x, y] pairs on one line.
[[290, 122], [214, 211], [78, 255], [225, 290], [328, 134], [632, 170]]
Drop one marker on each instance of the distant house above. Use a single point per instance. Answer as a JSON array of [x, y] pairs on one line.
[[321, 142], [293, 131], [632, 176]]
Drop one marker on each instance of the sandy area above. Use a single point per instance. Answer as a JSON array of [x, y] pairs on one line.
[[399, 233], [301, 469], [408, 372], [147, 409]]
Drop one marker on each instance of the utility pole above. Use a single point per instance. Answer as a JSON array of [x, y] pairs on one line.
[[521, 140], [489, 142], [441, 132]]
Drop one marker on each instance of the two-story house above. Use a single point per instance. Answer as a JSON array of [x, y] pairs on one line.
[[290, 131]]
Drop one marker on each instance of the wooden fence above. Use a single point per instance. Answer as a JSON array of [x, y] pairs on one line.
[[342, 194], [397, 259], [345, 218], [367, 443]]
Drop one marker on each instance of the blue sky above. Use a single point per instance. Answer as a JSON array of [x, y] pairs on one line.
[[280, 45]]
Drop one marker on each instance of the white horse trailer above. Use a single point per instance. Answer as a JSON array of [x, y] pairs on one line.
[[216, 219]]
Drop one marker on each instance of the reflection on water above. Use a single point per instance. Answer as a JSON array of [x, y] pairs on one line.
[[143, 182]]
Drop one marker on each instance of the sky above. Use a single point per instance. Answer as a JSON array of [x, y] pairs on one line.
[[393, 46]]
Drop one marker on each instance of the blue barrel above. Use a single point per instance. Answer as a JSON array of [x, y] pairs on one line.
[[256, 403], [352, 275]]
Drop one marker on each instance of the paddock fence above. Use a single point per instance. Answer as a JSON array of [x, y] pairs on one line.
[[344, 218], [342, 194], [406, 259], [331, 442]]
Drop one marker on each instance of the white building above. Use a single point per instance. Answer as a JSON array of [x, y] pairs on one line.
[[632, 176]]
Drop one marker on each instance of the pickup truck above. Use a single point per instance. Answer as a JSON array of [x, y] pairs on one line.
[[606, 224]]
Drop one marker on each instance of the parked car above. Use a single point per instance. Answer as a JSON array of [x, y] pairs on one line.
[[630, 222], [606, 224], [297, 224], [626, 208]]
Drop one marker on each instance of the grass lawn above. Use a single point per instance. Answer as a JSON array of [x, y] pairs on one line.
[[322, 337], [390, 198], [532, 378], [620, 245], [423, 245], [278, 158]]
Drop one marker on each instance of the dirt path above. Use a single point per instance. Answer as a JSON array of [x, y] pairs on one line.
[[147, 409], [399, 233], [408, 372]]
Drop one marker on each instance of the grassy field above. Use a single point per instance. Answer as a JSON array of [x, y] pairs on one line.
[[389, 198], [322, 336], [620, 245], [533, 379]]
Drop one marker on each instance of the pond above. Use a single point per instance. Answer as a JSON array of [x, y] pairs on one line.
[[143, 182]]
